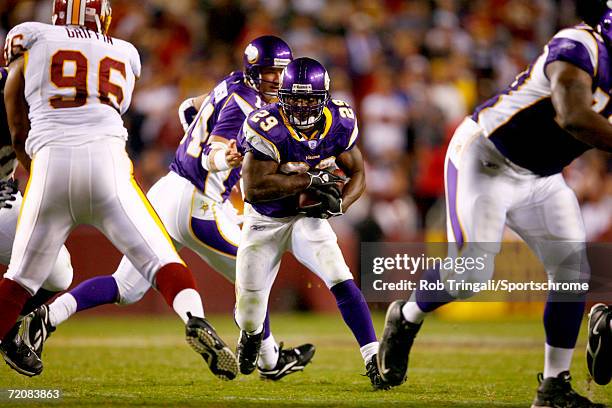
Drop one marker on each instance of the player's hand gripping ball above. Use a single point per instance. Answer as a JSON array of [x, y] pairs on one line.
[[323, 198]]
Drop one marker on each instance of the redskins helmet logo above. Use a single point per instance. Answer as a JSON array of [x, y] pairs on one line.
[[252, 53]]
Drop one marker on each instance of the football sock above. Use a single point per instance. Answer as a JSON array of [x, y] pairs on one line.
[[100, 290], [355, 312], [430, 300], [268, 354], [40, 298], [562, 324], [12, 299], [171, 280], [61, 309], [188, 300], [412, 312], [368, 351], [556, 360]]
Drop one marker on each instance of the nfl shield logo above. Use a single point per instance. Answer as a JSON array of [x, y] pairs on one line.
[[312, 144]]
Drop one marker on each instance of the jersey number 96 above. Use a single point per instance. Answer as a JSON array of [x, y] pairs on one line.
[[78, 80]]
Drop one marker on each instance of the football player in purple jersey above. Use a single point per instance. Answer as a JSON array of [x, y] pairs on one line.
[[291, 147], [503, 167], [192, 200]]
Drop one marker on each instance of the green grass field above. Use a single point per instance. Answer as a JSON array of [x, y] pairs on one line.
[[145, 361]]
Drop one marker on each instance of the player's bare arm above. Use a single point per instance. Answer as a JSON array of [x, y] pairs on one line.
[[572, 97], [351, 162], [17, 110], [263, 182]]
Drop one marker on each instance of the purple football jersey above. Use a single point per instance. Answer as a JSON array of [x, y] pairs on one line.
[[222, 114], [520, 121], [269, 136]]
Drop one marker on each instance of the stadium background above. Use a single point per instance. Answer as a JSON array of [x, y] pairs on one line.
[[412, 69]]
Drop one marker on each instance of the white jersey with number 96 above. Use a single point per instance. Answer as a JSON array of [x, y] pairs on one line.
[[74, 78]]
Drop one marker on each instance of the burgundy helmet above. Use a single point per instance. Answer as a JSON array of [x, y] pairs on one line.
[[93, 14]]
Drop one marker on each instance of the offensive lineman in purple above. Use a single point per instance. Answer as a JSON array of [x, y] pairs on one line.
[[541, 126], [555, 111]]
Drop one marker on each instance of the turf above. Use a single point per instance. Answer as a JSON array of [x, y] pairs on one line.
[[145, 362]]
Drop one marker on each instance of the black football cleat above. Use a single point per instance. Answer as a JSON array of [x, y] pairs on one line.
[[18, 355], [395, 345], [201, 336], [289, 361], [247, 351], [36, 329], [599, 345], [378, 383], [557, 392]]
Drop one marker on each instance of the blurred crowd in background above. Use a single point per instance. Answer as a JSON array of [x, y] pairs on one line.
[[413, 69]]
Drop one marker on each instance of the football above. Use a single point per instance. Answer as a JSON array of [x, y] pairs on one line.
[[308, 198]]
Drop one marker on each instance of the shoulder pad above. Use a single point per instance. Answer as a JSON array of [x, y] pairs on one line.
[[20, 39]]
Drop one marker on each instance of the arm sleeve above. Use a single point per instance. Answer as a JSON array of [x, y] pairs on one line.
[[576, 47]]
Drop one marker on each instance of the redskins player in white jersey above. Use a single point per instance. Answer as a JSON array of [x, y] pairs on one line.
[[14, 351], [68, 85]]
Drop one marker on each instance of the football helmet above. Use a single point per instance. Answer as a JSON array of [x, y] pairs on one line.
[[605, 26], [304, 92], [591, 11], [265, 51], [93, 14]]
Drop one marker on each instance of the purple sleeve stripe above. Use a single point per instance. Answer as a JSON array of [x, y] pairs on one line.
[[570, 51]]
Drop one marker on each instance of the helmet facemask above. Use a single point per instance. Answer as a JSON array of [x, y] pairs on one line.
[[303, 109]]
